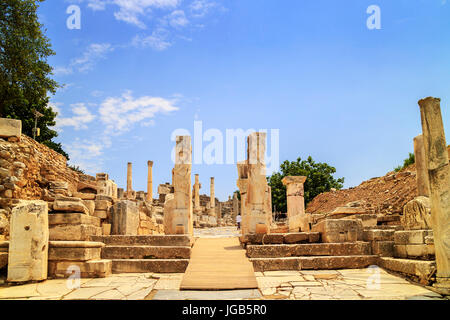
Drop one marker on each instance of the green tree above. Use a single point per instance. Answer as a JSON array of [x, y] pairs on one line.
[[25, 75], [319, 179], [406, 163]]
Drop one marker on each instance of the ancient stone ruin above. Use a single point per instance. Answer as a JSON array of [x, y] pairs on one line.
[[54, 220]]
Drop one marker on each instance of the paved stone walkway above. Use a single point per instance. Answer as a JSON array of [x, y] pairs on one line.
[[294, 285], [354, 284]]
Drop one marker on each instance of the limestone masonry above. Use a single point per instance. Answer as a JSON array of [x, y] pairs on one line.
[[56, 222]]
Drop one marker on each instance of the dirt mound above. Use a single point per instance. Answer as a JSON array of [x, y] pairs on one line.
[[383, 195]]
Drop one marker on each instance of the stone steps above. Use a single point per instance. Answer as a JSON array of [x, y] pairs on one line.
[[152, 253], [311, 249], [423, 270], [313, 263], [280, 238], [146, 252], [88, 269], [153, 240], [149, 265]]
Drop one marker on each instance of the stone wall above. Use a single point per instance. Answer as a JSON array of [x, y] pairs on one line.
[[30, 171]]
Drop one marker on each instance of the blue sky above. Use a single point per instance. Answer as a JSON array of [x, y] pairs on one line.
[[138, 70]]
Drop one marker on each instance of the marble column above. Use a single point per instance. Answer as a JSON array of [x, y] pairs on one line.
[[212, 198], [179, 217], [197, 208], [242, 184], [439, 177], [150, 181], [257, 184], [423, 184], [296, 203], [129, 180]]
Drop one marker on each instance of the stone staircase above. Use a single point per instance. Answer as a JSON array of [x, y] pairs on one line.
[[303, 251], [155, 253]]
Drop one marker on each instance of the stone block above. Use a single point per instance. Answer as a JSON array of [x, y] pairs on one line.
[[69, 204], [28, 246], [423, 269], [411, 236], [90, 204], [72, 218], [338, 230], [378, 235], [10, 128], [400, 251], [299, 237], [88, 269], [84, 196], [74, 250], [125, 218], [383, 248], [106, 227], [102, 204], [417, 250], [102, 214], [417, 214], [74, 232], [368, 220]]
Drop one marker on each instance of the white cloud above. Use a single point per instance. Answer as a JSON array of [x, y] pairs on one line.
[[86, 62], [177, 19], [199, 8], [119, 114], [93, 53], [83, 152], [157, 40], [132, 11], [81, 116]]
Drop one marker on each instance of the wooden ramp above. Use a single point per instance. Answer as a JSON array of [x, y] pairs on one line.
[[218, 264]]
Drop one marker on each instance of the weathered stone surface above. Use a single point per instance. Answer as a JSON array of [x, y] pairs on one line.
[[411, 236], [153, 240], [57, 253], [378, 235], [178, 216], [85, 196], [297, 219], [10, 128], [28, 247], [257, 193], [106, 227], [300, 250], [69, 204], [146, 252], [383, 248], [88, 269], [417, 214], [340, 230], [422, 269], [90, 204], [298, 237], [313, 263], [72, 218], [439, 178], [102, 205], [423, 182], [73, 232], [101, 214], [150, 265], [125, 218]]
